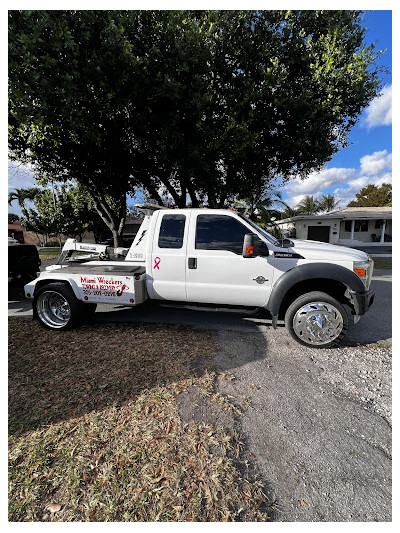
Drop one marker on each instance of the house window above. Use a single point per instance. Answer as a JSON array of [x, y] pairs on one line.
[[378, 224], [359, 225]]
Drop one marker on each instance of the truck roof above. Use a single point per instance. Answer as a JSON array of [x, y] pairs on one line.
[[154, 207]]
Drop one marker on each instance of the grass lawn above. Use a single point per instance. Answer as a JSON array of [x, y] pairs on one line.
[[95, 433], [381, 263], [49, 253]]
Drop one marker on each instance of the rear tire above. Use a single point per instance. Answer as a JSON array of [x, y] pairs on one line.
[[317, 320], [57, 308]]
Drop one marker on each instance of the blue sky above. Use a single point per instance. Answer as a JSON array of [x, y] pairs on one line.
[[368, 159]]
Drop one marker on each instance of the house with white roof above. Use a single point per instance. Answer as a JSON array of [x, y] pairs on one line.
[[352, 226]]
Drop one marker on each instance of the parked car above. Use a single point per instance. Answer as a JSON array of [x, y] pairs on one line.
[[23, 261]]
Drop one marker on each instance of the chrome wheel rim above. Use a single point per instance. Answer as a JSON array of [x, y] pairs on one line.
[[53, 309], [318, 323]]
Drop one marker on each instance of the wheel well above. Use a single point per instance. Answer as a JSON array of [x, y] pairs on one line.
[[334, 288], [44, 282]]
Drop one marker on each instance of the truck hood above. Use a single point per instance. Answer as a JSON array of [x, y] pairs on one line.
[[322, 250]]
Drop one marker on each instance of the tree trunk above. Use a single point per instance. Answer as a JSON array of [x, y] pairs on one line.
[[154, 194], [116, 238], [165, 181], [193, 197], [114, 218], [212, 202]]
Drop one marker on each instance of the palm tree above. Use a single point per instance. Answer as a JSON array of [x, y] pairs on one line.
[[328, 203], [288, 212], [308, 206], [262, 206], [22, 195]]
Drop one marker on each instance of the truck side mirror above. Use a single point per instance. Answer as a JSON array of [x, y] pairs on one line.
[[248, 245]]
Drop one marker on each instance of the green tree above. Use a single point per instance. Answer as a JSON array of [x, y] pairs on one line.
[[261, 207], [288, 212], [42, 219], [21, 196], [373, 196], [328, 203], [308, 206], [205, 106], [13, 218]]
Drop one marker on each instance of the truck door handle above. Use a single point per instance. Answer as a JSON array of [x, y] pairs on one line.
[[192, 262]]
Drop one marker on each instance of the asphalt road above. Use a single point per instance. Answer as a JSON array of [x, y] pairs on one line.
[[317, 423]]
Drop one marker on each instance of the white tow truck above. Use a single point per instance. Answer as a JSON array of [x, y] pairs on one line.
[[216, 257]]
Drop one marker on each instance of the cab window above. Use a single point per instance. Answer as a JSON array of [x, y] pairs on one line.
[[172, 229], [220, 232]]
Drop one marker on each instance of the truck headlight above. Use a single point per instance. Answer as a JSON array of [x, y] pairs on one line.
[[363, 269]]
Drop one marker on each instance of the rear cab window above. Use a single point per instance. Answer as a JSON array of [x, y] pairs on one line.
[[172, 229]]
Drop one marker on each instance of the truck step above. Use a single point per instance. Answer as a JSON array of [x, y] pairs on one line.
[[249, 311]]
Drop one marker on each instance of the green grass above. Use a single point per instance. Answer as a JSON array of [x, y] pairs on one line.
[[380, 263], [95, 432], [49, 253]]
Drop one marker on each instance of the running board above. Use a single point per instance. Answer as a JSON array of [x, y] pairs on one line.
[[217, 309]]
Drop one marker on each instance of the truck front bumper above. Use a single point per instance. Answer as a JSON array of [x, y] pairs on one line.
[[362, 301]]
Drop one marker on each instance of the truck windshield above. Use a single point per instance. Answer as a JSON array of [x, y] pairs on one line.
[[269, 237]]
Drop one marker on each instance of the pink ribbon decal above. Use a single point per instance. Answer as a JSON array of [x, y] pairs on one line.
[[157, 262]]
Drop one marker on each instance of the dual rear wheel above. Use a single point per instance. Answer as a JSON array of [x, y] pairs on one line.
[[57, 307]]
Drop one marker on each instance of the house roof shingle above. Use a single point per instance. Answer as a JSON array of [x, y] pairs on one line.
[[373, 213]]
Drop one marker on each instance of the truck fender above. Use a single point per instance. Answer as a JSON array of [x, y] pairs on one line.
[[307, 272], [40, 282]]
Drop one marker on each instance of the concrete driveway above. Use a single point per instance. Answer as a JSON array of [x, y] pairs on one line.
[[317, 423]]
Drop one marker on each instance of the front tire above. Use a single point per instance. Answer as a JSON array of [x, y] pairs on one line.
[[317, 320], [57, 308]]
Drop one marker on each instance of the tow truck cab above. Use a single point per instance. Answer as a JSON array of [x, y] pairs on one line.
[[219, 257]]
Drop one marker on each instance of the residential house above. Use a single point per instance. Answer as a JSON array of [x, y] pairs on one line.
[[353, 226]]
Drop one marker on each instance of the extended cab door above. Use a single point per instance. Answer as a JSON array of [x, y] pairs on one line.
[[216, 272], [167, 269]]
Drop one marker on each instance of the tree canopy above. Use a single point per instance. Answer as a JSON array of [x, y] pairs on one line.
[[308, 206], [195, 106], [373, 196], [328, 203]]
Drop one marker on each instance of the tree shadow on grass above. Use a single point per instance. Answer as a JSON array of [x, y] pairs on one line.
[[58, 376]]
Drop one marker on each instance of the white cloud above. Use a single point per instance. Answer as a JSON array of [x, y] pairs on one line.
[[385, 178], [346, 195], [376, 163], [20, 176], [379, 111], [374, 169], [317, 182]]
